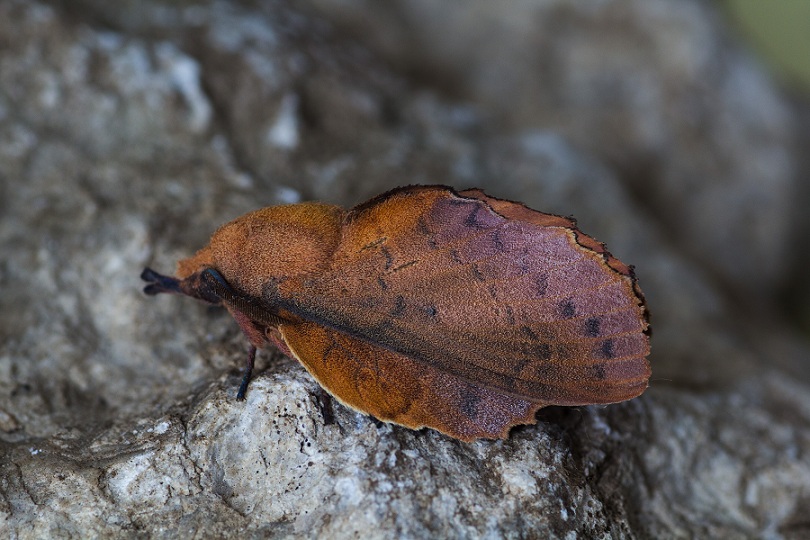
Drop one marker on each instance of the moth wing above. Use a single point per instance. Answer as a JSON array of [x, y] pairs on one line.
[[489, 291], [396, 388]]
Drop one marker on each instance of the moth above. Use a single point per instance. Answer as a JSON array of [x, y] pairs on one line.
[[428, 307]]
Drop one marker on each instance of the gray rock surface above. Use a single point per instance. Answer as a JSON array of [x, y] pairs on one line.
[[129, 132]]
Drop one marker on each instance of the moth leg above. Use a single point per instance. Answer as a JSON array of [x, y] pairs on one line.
[[251, 359], [324, 403]]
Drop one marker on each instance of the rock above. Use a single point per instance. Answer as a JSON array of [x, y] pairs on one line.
[[130, 133]]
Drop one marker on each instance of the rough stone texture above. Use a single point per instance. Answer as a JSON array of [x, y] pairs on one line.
[[128, 132]]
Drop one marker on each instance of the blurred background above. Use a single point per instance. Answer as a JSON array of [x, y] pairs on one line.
[[777, 35]]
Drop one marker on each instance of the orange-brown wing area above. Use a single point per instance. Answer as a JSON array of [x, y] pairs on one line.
[[395, 388], [491, 292]]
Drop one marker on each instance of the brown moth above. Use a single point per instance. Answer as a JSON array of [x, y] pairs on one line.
[[427, 307]]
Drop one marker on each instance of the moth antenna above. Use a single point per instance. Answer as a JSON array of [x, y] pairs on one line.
[[158, 283], [251, 360]]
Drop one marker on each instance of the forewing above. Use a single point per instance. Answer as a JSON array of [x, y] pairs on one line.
[[488, 291]]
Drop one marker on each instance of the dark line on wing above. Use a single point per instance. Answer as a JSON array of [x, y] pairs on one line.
[[374, 244], [389, 259], [399, 308], [402, 266], [472, 219], [422, 227], [497, 242]]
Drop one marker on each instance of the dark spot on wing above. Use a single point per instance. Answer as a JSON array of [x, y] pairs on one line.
[[607, 348], [389, 259], [381, 282], [497, 242], [477, 273], [430, 311], [422, 226], [529, 333], [510, 315], [536, 348], [469, 402], [455, 256], [472, 218], [597, 372], [542, 351], [399, 308], [518, 367], [541, 284], [567, 308], [525, 262], [592, 325]]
